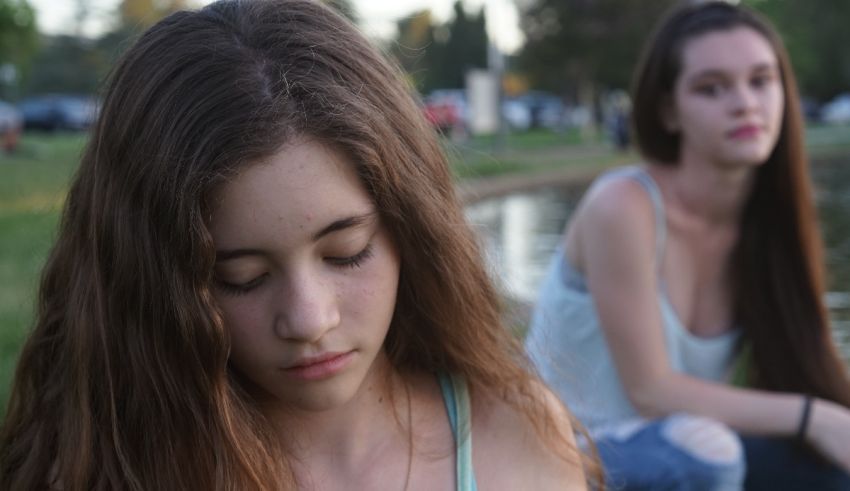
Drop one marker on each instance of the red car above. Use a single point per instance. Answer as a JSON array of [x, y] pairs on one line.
[[446, 110]]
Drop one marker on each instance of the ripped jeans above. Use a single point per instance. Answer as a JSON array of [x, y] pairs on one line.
[[690, 453]]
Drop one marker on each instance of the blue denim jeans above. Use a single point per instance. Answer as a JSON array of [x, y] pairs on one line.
[[780, 464], [648, 460]]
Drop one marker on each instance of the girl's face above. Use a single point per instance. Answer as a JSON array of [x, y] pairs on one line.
[[728, 101], [306, 277]]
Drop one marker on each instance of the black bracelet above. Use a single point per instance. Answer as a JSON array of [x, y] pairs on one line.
[[803, 427]]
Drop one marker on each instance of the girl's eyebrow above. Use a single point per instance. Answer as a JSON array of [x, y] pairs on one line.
[[348, 222], [759, 67], [335, 226]]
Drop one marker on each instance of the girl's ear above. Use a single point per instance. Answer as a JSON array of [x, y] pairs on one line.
[[669, 115]]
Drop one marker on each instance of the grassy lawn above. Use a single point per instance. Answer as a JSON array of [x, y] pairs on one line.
[[33, 183], [541, 150]]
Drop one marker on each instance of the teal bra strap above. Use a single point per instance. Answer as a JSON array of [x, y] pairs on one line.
[[456, 397]]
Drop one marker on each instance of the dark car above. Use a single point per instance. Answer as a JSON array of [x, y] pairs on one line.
[[58, 112], [546, 110], [10, 126]]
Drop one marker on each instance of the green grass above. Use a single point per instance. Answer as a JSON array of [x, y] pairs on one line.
[[822, 140], [539, 150], [33, 183]]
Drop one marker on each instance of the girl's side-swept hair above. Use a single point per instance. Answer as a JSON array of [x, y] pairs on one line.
[[124, 382], [777, 264]]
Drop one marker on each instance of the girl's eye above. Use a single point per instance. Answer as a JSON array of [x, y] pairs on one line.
[[354, 261], [760, 81], [240, 288], [708, 89]]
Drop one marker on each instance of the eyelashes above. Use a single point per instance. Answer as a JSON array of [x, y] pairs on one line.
[[715, 88], [349, 262], [354, 261], [242, 288]]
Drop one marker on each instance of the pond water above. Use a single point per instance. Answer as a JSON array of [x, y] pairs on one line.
[[520, 232]]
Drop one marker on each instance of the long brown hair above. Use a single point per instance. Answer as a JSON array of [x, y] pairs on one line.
[[124, 382], [777, 264]]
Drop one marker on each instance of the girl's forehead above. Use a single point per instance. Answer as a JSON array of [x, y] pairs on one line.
[[727, 50]]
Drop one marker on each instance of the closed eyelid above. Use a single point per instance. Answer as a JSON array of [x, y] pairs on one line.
[[347, 223]]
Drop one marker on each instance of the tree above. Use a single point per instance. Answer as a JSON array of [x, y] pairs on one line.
[[345, 8], [574, 47], [817, 38], [140, 14], [466, 47], [415, 49], [438, 56], [65, 64], [18, 41]]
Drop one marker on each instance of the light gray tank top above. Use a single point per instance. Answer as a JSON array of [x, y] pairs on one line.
[[567, 345]]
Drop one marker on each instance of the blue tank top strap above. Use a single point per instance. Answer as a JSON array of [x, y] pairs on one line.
[[456, 398]]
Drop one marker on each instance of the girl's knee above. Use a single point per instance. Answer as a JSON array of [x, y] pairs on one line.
[[716, 449], [704, 439]]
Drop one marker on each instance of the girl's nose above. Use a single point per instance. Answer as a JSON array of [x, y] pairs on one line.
[[308, 308], [743, 99]]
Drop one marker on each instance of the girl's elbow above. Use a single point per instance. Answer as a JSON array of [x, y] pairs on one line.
[[647, 398]]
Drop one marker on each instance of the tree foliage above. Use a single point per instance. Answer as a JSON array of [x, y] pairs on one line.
[[141, 14], [817, 37], [576, 43], [72, 64], [345, 8], [438, 56], [18, 37]]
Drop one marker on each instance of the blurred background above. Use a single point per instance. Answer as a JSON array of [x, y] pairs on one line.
[[522, 91]]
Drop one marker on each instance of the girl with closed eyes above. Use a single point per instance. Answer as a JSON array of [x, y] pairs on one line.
[[263, 280]]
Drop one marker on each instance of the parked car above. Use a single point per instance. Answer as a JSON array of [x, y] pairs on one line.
[[447, 109], [547, 110], [837, 111], [58, 112], [10, 126], [811, 109], [516, 114]]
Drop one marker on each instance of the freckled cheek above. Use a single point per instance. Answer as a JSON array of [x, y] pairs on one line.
[[370, 297]]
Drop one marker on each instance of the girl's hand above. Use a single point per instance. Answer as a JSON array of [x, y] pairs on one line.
[[829, 432]]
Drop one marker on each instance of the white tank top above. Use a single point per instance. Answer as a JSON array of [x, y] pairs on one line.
[[567, 345]]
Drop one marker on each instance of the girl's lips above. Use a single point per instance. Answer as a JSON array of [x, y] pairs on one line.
[[744, 132], [319, 367]]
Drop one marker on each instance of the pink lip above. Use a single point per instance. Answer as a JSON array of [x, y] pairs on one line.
[[319, 367], [744, 132]]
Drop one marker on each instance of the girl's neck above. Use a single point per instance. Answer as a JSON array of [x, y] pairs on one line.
[[354, 434], [712, 193]]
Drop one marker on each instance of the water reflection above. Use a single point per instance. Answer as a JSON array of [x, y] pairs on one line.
[[521, 231]]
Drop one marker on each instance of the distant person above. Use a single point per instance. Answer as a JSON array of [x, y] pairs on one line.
[[683, 317], [618, 121], [263, 280]]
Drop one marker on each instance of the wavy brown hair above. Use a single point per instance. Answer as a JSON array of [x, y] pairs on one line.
[[124, 382], [777, 264]]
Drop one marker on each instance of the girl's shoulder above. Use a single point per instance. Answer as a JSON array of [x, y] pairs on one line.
[[618, 206], [511, 452], [622, 190]]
